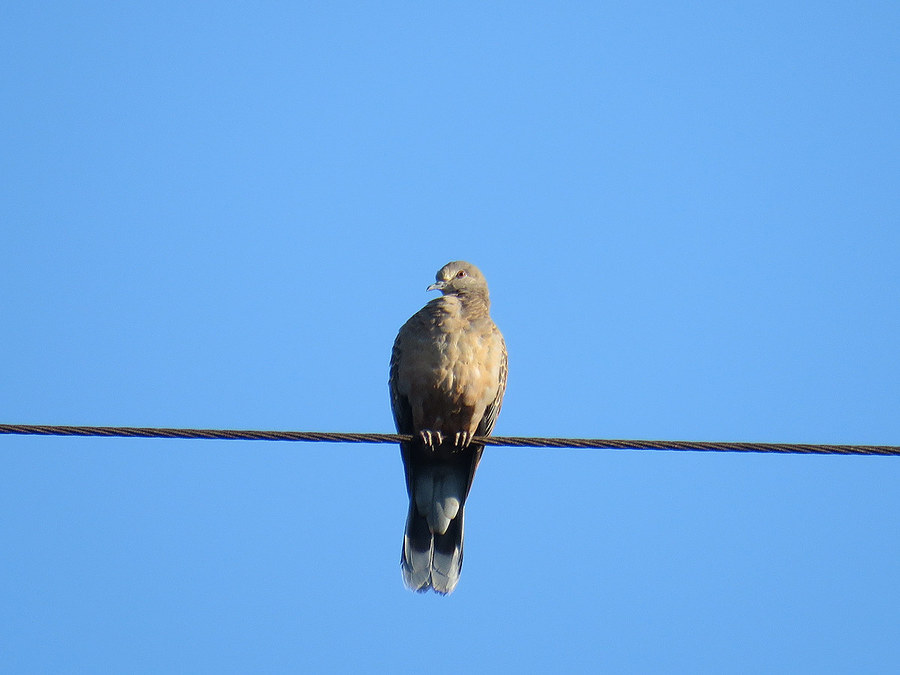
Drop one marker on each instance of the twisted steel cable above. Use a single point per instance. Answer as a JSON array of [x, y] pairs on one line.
[[509, 441]]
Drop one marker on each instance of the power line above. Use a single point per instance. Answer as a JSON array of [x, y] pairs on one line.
[[510, 441]]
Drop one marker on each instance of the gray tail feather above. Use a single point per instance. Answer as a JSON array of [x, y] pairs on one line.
[[431, 560]]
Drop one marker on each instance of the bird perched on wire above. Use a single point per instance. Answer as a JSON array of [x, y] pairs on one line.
[[448, 376]]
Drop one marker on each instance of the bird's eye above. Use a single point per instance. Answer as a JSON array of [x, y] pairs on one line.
[[460, 274]]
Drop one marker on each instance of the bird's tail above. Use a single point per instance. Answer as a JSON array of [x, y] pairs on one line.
[[431, 559], [433, 543]]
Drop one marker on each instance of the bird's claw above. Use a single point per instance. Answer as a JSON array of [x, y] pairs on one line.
[[431, 439], [462, 439]]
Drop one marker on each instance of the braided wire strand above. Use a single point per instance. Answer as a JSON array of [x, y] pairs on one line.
[[508, 441]]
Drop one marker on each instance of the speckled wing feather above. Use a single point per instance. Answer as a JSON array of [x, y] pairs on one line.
[[486, 427], [400, 404]]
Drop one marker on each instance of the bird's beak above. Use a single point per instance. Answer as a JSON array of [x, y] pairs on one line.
[[437, 286]]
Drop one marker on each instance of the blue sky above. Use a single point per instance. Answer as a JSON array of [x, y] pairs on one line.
[[219, 216]]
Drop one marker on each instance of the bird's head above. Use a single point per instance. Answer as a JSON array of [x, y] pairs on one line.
[[460, 278]]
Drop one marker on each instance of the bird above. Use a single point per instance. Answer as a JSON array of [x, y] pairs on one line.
[[447, 379]]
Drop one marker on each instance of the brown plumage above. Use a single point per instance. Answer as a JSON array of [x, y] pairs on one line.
[[448, 375]]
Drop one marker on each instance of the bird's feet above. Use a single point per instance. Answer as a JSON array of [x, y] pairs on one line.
[[462, 439], [431, 439]]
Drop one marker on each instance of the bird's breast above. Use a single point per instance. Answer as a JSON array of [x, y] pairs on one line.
[[452, 370]]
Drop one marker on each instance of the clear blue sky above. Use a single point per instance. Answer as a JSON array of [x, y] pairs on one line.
[[219, 215]]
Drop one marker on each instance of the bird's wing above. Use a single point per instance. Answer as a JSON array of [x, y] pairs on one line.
[[401, 408], [486, 426], [399, 403]]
